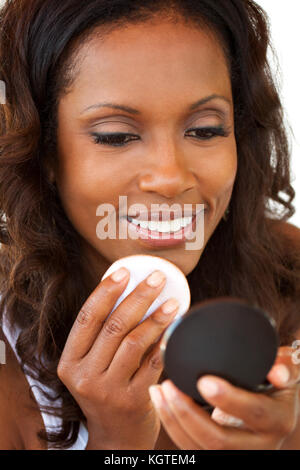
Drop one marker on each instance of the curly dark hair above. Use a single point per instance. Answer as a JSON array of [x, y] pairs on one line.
[[42, 281]]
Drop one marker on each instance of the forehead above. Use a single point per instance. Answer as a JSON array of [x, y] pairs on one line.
[[151, 62]]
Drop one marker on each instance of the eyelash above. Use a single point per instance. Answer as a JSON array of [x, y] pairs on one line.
[[110, 139]]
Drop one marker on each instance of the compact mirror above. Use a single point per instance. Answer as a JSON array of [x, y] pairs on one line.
[[225, 337]]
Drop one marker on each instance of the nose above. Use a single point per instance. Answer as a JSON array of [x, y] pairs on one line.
[[168, 175]]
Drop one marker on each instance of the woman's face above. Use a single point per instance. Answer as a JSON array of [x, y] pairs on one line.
[[160, 70]]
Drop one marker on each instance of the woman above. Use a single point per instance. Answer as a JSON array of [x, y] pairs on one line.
[[160, 102]]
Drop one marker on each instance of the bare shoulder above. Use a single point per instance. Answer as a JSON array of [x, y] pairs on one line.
[[20, 418]]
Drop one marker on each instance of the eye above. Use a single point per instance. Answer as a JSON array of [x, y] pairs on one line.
[[115, 139], [207, 133], [118, 139]]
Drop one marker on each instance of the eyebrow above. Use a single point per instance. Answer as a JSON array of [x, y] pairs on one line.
[[130, 110]]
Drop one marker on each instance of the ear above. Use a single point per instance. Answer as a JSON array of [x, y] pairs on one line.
[[51, 176], [49, 172]]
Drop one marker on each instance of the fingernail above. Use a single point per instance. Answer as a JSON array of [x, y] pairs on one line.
[[169, 390], [208, 387], [119, 275], [170, 306], [235, 422], [282, 373], [225, 419], [219, 416], [155, 279], [155, 396]]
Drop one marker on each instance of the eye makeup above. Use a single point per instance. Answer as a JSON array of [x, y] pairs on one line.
[[119, 139]]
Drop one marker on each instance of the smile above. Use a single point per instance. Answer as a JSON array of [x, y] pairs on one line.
[[163, 233], [171, 226]]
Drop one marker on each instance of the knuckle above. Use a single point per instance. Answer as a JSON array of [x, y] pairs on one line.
[[108, 291], [87, 310], [114, 326], [82, 387], [258, 412], [155, 361], [85, 313], [159, 319], [62, 370], [134, 342], [141, 296]]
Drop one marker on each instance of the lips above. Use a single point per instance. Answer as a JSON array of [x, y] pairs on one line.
[[153, 239]]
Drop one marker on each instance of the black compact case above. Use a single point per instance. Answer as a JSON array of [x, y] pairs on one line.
[[226, 337]]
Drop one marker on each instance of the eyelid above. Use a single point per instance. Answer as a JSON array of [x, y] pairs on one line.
[[127, 131], [220, 112], [207, 111], [217, 131], [208, 120], [107, 120], [225, 128]]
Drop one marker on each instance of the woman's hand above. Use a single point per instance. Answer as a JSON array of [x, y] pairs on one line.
[[108, 364], [241, 419]]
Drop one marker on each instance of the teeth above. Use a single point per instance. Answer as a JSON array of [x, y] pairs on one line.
[[144, 224], [164, 227]]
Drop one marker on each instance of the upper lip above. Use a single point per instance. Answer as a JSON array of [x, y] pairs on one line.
[[163, 215]]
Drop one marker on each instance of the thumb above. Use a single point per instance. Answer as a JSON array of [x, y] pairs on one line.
[[286, 369]]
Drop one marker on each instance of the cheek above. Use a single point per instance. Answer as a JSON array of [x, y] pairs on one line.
[[217, 171], [85, 178], [84, 182], [78, 188]]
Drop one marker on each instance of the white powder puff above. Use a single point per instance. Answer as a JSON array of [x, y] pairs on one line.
[[140, 267]]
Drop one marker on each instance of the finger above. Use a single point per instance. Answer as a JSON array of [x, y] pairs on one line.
[[128, 357], [180, 438], [151, 368], [124, 318], [198, 425], [92, 314], [260, 413], [286, 369]]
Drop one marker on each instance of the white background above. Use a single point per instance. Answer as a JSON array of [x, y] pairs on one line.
[[285, 33]]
